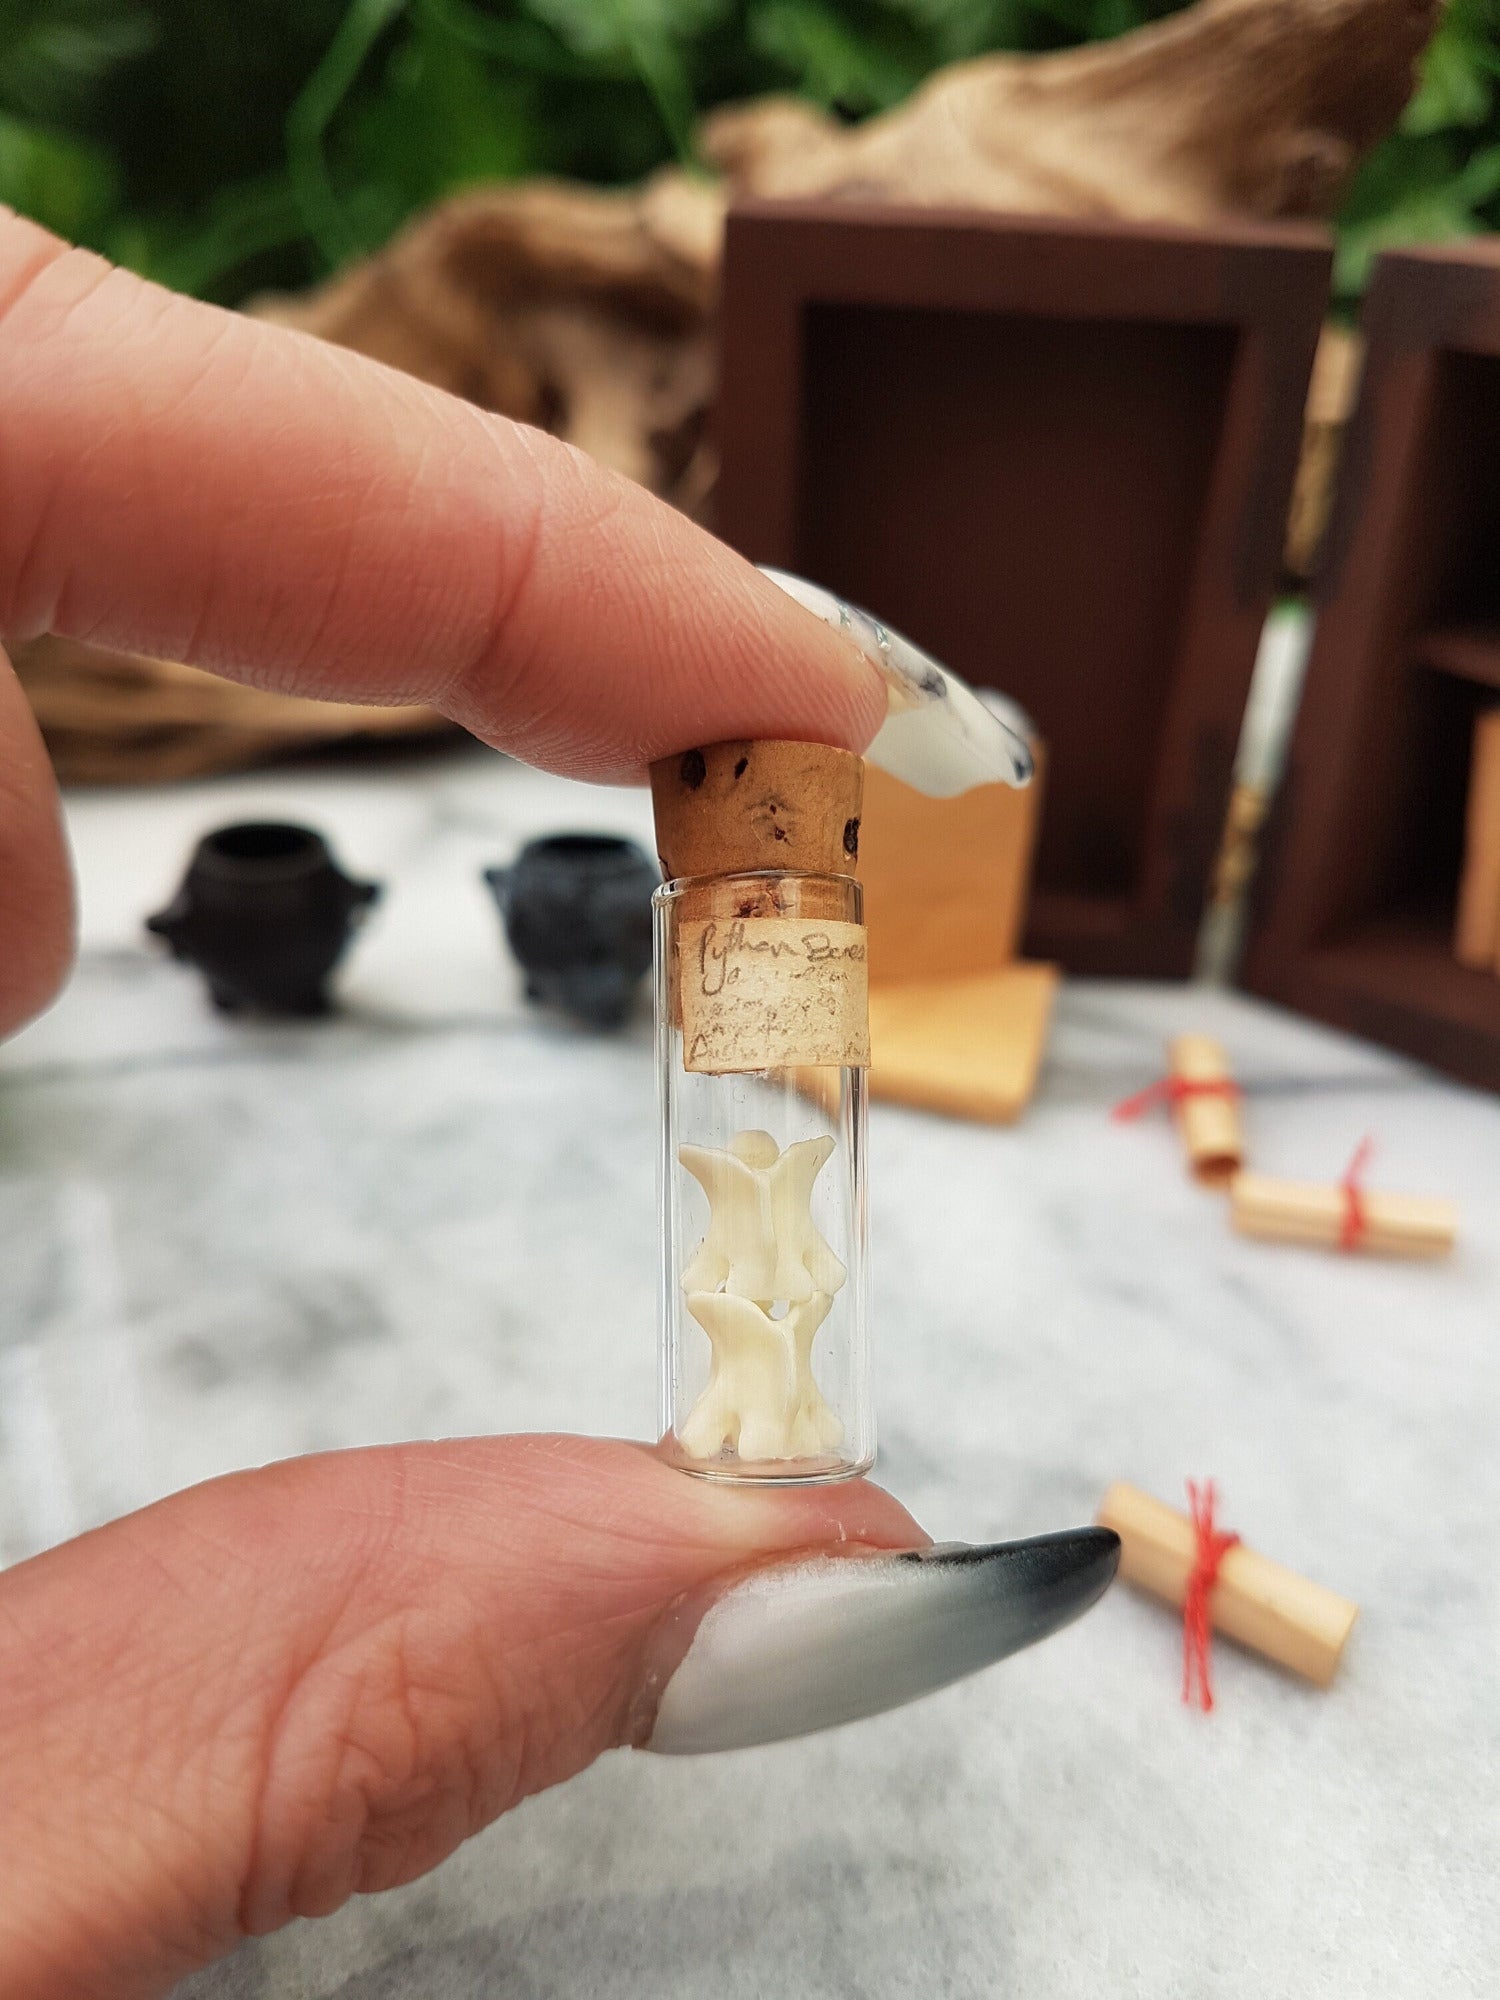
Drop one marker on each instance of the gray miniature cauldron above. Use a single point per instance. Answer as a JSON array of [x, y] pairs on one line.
[[264, 912], [577, 913]]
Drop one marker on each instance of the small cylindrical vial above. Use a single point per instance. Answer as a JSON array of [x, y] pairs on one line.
[[762, 1047]]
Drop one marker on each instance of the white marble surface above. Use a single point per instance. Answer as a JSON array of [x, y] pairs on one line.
[[221, 1243]]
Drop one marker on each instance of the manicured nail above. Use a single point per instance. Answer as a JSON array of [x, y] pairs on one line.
[[809, 1644], [938, 734]]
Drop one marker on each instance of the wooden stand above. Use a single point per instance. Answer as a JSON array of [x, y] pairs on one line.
[[1058, 454], [946, 879], [955, 1024], [970, 1047], [1355, 900]]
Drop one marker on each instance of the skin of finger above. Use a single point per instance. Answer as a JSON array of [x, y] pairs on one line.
[[276, 1690], [36, 881], [198, 485]]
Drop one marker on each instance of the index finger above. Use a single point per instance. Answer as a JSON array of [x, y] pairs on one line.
[[187, 482]]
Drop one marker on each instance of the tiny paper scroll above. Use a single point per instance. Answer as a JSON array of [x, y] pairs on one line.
[[772, 993], [1344, 1216], [1205, 1102], [1270, 1609]]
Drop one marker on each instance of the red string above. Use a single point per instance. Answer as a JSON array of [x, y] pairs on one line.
[[1356, 1221], [1172, 1090], [1197, 1632]]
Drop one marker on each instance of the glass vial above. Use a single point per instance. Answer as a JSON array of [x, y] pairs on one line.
[[762, 1038]]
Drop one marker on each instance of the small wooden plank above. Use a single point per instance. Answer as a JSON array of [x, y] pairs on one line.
[[968, 1047], [1476, 934], [1471, 652]]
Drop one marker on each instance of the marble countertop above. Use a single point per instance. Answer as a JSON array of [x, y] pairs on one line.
[[222, 1243]]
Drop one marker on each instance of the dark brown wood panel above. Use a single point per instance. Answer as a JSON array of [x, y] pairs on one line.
[[1059, 456], [1355, 898]]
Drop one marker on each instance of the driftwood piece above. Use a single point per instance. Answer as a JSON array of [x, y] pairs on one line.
[[584, 312], [1234, 107], [118, 718]]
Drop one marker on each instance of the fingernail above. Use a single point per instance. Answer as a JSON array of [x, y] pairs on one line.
[[809, 1644], [938, 735]]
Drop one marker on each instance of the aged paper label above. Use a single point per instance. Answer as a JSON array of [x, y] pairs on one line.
[[772, 993]]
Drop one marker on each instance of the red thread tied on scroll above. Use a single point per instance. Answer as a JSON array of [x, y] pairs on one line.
[[1197, 1630], [1174, 1090], [1356, 1221], [1205, 1102]]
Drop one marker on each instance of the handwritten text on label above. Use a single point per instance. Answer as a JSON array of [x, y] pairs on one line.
[[772, 993]]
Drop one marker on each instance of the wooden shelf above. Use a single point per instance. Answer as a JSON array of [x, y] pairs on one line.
[[1395, 979], [1408, 960], [1472, 652], [1364, 850], [1057, 454]]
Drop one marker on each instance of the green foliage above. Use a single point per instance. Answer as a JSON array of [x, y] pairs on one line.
[[1437, 177], [224, 145], [55, 55], [63, 182]]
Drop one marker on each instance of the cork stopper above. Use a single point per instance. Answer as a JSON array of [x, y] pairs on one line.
[[733, 808]]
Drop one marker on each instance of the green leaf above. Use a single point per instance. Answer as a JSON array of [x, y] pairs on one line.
[[612, 27], [523, 45], [1445, 213], [1458, 80], [56, 54], [307, 122], [826, 60], [1480, 180], [650, 36], [954, 30], [438, 122], [64, 183], [241, 223]]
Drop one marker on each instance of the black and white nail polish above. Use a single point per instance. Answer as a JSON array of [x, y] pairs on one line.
[[806, 1645], [939, 735]]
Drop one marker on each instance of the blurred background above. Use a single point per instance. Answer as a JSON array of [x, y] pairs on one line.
[[226, 149]]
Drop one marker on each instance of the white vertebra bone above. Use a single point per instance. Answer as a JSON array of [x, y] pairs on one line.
[[761, 1400], [739, 1250], [804, 1263], [762, 1242], [751, 1396], [815, 1428], [762, 1247]]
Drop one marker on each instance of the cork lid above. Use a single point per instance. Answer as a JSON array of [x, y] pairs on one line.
[[733, 808]]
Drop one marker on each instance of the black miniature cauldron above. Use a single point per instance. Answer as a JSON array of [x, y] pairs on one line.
[[264, 912], [577, 910]]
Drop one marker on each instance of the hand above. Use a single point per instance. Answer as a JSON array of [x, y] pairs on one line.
[[208, 488], [277, 1690], [289, 1686], [280, 1688]]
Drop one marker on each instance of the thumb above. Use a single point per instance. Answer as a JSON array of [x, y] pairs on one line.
[[283, 1688], [36, 887], [268, 1693]]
